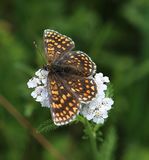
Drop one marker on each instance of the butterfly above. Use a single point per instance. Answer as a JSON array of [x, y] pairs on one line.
[[70, 77]]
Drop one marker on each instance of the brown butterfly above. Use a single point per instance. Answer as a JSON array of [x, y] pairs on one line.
[[70, 78]]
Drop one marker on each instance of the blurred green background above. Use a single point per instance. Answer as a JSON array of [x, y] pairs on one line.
[[115, 34]]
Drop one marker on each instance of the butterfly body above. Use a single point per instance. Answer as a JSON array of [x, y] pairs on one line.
[[70, 79]]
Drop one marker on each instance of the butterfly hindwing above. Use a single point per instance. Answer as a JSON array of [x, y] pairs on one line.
[[84, 88], [64, 104], [79, 61]]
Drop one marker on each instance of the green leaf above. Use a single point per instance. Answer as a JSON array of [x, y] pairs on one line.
[[46, 126]]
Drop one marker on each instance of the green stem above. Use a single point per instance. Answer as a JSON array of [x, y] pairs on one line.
[[91, 131], [92, 137]]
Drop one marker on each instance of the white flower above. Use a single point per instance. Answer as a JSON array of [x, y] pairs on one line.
[[107, 102], [45, 103], [97, 109], [40, 84], [32, 83]]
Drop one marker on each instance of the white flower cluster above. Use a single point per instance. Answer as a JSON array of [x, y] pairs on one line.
[[96, 110], [39, 82]]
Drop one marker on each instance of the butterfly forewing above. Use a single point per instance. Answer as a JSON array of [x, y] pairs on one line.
[[64, 104], [56, 45], [79, 61]]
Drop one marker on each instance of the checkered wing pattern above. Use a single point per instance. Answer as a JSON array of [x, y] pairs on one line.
[[56, 45], [79, 61], [64, 104], [84, 88]]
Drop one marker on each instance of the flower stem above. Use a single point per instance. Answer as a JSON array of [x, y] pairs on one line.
[[91, 130], [92, 137]]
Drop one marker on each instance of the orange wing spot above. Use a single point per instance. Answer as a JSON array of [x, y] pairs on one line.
[[67, 39], [57, 114], [64, 48], [78, 90], [64, 112], [67, 108], [86, 68], [63, 42], [74, 101], [86, 81], [62, 37], [54, 92], [53, 105], [55, 98], [61, 87], [54, 87], [74, 109], [64, 97], [93, 88], [59, 105], [61, 100], [70, 104], [71, 113], [56, 119], [81, 88], [93, 93], [60, 119], [87, 86], [64, 118], [88, 91], [61, 114], [73, 89], [67, 116], [56, 44], [53, 82], [85, 94], [59, 46], [84, 98], [69, 61], [50, 49], [87, 58], [70, 82], [68, 95]]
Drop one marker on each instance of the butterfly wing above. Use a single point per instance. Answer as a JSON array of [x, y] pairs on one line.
[[64, 104], [84, 88], [78, 61], [56, 44]]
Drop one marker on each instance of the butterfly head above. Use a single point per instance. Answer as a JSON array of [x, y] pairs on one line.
[[46, 67]]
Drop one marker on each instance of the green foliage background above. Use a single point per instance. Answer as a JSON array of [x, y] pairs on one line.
[[115, 34]]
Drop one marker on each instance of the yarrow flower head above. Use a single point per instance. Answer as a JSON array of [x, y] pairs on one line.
[[39, 83], [96, 110]]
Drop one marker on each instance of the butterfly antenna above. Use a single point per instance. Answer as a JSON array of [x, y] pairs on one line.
[[39, 51]]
